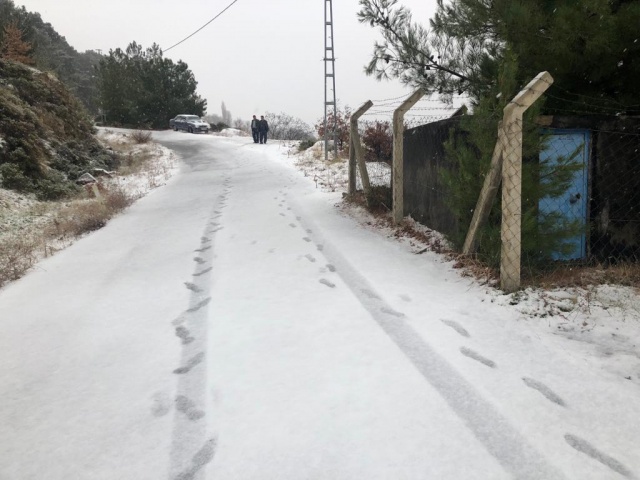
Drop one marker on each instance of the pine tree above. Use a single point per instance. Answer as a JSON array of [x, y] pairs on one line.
[[469, 150], [590, 47], [140, 88], [14, 47]]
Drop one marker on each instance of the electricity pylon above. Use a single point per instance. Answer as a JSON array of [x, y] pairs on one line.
[[329, 86]]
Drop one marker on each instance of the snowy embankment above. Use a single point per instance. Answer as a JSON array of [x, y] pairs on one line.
[[31, 230]]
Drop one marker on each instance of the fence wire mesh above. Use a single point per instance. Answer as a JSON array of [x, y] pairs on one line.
[[565, 204]]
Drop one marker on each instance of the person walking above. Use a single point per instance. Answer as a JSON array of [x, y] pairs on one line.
[[263, 128], [255, 124]]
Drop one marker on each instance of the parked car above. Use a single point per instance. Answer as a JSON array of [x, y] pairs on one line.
[[189, 123]]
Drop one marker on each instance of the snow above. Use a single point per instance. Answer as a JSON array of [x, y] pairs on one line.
[[332, 175], [31, 223], [242, 322], [231, 132], [162, 167]]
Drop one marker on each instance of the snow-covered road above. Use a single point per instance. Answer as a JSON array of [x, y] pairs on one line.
[[234, 325]]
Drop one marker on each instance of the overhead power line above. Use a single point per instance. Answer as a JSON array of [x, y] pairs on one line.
[[187, 38]]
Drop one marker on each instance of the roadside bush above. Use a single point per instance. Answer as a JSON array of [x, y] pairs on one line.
[[378, 142], [117, 199], [285, 127], [81, 217], [12, 178], [55, 186], [141, 136], [342, 128], [305, 144], [379, 198], [17, 255]]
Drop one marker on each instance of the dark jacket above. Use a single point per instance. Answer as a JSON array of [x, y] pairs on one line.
[[263, 126], [255, 123]]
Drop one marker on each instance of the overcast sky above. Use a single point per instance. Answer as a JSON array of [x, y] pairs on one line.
[[258, 56]]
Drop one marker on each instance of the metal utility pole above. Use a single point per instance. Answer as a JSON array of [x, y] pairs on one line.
[[329, 87]]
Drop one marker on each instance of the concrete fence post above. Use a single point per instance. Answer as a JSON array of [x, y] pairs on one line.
[[487, 195], [511, 227], [355, 152], [398, 154]]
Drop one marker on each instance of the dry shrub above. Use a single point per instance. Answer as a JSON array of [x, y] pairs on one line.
[[81, 217], [117, 199], [134, 163], [379, 199], [567, 275], [141, 136], [17, 255]]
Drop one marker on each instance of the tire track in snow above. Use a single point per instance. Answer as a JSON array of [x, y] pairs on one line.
[[192, 446], [500, 438]]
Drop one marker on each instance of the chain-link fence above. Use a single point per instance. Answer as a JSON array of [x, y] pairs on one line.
[[550, 200], [375, 130], [577, 198]]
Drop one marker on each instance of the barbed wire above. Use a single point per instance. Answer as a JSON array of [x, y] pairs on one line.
[[611, 100]]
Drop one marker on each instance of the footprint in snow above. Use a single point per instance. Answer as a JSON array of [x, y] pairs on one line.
[[193, 361], [193, 287], [477, 357], [544, 390], [199, 305], [585, 447], [392, 312], [370, 294], [202, 272], [183, 334], [326, 282], [188, 407], [457, 327]]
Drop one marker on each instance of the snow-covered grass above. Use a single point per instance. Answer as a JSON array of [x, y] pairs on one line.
[[332, 174], [32, 229]]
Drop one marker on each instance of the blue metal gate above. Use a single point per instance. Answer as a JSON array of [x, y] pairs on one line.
[[572, 205]]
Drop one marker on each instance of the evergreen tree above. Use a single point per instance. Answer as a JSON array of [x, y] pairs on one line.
[[589, 46], [51, 52], [140, 88], [469, 150], [14, 47]]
